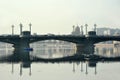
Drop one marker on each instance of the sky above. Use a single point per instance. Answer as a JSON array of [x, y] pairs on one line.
[[58, 16]]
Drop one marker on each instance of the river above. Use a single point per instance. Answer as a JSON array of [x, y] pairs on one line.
[[65, 70]]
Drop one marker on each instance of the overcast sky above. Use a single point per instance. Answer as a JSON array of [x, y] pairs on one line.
[[58, 16]]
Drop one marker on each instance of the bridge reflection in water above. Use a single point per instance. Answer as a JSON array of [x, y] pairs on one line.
[[26, 58]]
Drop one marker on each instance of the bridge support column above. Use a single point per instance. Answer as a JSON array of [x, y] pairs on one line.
[[85, 48], [21, 50], [89, 48], [80, 48], [21, 47]]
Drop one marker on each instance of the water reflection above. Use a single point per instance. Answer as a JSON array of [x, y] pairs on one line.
[[107, 50], [53, 49], [66, 56]]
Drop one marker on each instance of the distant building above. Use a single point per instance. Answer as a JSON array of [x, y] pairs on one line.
[[107, 32], [76, 30]]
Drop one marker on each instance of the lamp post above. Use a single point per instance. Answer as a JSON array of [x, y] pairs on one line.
[[30, 27], [73, 28], [95, 27], [86, 25], [12, 29], [81, 29], [21, 28]]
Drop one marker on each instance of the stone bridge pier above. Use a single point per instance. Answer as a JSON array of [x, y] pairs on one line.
[[22, 47], [87, 48]]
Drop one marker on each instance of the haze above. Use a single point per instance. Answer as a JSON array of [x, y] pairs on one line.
[[58, 16]]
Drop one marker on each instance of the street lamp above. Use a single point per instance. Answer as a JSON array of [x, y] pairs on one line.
[[12, 29], [73, 28], [21, 28], [81, 29], [86, 25], [30, 27], [95, 27]]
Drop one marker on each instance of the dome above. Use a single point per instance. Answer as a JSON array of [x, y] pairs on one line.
[[77, 29]]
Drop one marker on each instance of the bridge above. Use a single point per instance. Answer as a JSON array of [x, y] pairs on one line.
[[83, 42], [21, 42]]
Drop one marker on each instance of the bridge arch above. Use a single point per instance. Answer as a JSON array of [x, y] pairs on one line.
[[53, 42], [53, 48], [107, 42], [69, 38], [4, 44], [6, 48]]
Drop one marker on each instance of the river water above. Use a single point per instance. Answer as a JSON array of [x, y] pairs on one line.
[[76, 70]]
